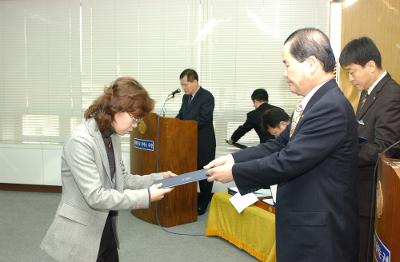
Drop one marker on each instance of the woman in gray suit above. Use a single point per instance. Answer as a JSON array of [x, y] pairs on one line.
[[95, 183]]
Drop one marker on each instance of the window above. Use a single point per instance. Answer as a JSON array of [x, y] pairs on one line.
[[57, 56], [241, 50]]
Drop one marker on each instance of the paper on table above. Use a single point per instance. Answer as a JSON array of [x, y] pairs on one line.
[[234, 188], [241, 202], [269, 201], [274, 188], [263, 192]]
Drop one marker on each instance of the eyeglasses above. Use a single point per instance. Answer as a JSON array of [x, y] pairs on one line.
[[137, 120]]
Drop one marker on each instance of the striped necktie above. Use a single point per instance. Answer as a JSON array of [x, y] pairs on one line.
[[296, 118], [363, 98]]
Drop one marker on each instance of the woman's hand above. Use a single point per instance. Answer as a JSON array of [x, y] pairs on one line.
[[157, 193], [168, 174]]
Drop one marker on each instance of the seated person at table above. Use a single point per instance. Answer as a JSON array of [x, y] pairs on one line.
[[253, 118], [275, 121]]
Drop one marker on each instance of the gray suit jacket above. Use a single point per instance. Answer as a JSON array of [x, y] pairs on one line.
[[88, 195]]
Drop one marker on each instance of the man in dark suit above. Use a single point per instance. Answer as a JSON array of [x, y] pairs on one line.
[[198, 105], [378, 116], [314, 161], [254, 118]]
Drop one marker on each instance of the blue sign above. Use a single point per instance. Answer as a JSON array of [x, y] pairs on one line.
[[382, 253], [143, 144]]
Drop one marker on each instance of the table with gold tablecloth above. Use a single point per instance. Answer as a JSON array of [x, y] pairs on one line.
[[253, 230]]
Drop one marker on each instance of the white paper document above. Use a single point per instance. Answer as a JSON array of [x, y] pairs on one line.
[[263, 192], [241, 202], [274, 189], [269, 201], [234, 189]]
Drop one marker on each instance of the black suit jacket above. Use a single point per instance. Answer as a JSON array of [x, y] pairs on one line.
[[201, 109], [316, 173], [379, 123], [254, 120]]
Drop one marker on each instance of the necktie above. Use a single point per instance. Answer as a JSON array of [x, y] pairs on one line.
[[110, 154], [363, 98], [190, 99], [296, 118]]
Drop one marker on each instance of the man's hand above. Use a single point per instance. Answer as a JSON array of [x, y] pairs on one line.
[[168, 174], [157, 193], [220, 169], [220, 161]]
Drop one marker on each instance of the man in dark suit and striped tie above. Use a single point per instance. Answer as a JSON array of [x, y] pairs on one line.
[[378, 116], [315, 165]]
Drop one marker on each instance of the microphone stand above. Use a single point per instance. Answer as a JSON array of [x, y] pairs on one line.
[[162, 113], [169, 97]]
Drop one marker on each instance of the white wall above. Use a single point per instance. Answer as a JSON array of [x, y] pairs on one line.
[[30, 164], [35, 164]]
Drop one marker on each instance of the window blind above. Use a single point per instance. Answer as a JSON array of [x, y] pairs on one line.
[[57, 56], [243, 51], [39, 70], [149, 40]]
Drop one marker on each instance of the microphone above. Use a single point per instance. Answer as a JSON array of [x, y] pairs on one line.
[[170, 96], [177, 91]]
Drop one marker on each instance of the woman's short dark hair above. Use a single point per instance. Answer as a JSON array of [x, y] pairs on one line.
[[308, 42], [190, 74], [360, 51], [125, 94], [272, 117]]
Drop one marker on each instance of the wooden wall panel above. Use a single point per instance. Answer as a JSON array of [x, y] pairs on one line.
[[379, 20]]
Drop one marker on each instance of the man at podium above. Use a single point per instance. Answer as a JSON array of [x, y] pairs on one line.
[[198, 105]]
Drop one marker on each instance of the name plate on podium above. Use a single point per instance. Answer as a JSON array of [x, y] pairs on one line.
[[382, 253], [143, 144]]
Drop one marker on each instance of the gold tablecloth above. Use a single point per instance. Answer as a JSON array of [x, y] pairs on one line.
[[253, 230]]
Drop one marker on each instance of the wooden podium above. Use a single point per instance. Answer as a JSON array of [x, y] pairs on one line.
[[387, 214], [160, 144]]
